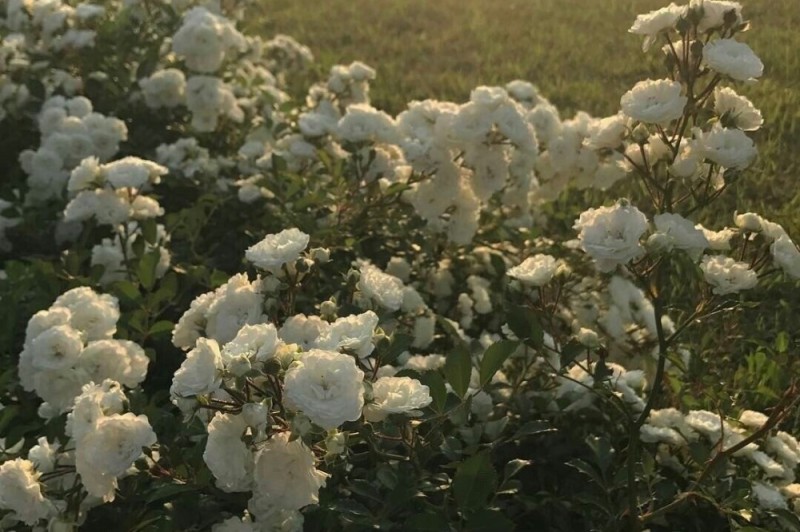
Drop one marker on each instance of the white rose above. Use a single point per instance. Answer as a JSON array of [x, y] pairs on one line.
[[285, 477], [226, 455], [109, 449], [56, 348], [424, 331], [21, 492], [204, 40], [94, 315], [718, 240], [133, 172], [303, 330], [726, 275], [252, 341], [734, 59], [768, 496], [236, 303], [535, 271], [164, 88], [737, 110], [786, 255], [353, 333], [423, 363], [45, 319], [327, 387], [276, 250], [655, 22], [234, 524], [145, 207], [681, 234], [729, 148], [364, 123], [94, 402], [610, 235], [43, 455], [714, 13], [607, 132], [396, 395], [120, 360], [386, 290], [654, 102], [200, 373]]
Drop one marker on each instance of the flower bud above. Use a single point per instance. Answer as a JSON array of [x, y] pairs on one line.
[[640, 134], [328, 310], [320, 255], [335, 443], [588, 338]]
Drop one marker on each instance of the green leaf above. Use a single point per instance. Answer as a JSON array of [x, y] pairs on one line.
[[570, 352], [436, 387], [524, 323], [400, 343], [458, 369], [782, 342], [428, 522], [169, 491], [161, 327], [515, 466], [494, 357], [475, 480], [149, 230], [589, 470], [532, 428], [128, 290], [488, 520], [147, 269], [349, 506]]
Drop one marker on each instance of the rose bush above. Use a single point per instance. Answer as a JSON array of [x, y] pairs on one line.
[[230, 309]]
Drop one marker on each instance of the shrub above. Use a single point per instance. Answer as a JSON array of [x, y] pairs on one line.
[[247, 311]]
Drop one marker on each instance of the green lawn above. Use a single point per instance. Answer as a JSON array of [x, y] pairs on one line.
[[578, 52]]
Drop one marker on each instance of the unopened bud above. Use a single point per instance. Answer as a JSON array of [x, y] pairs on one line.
[[640, 134], [321, 255]]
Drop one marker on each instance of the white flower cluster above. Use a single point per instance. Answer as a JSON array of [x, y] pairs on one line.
[[70, 133], [278, 250], [220, 314], [324, 370], [106, 440], [775, 461], [71, 344], [187, 158], [704, 154], [21, 492], [103, 444], [112, 193], [506, 145], [53, 25], [205, 40], [611, 235], [537, 270], [620, 311], [13, 61], [111, 253], [577, 383]]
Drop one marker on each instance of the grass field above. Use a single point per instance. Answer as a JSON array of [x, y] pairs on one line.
[[576, 51]]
